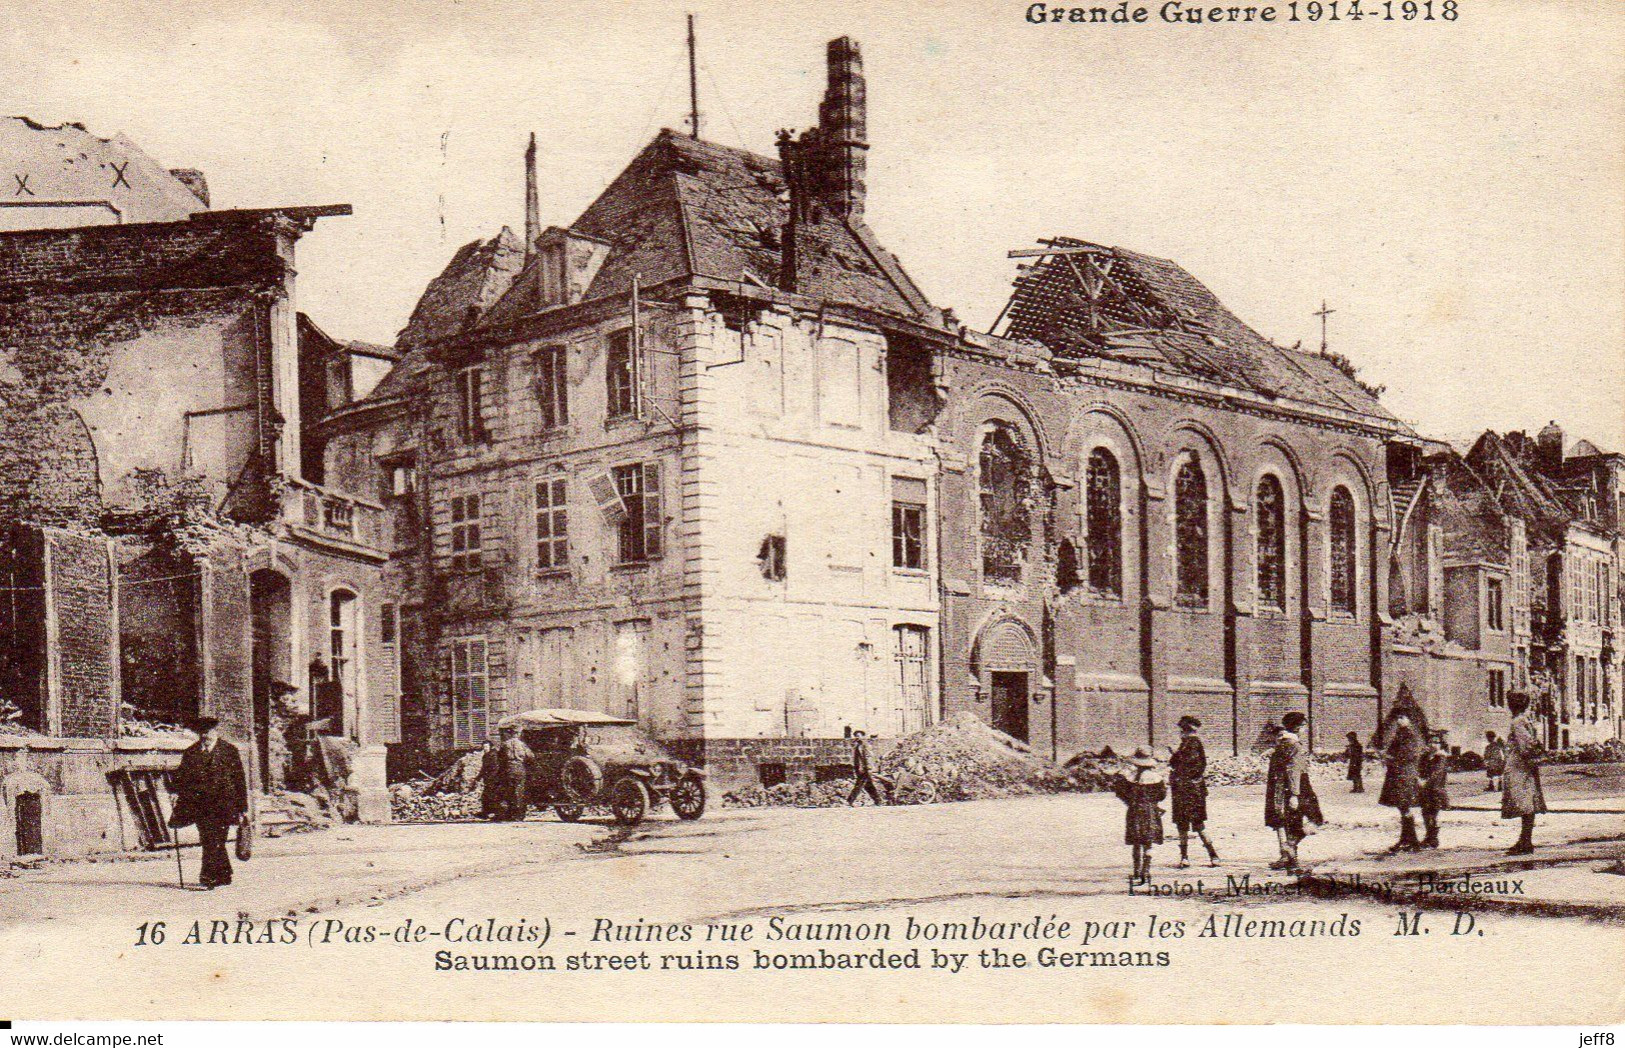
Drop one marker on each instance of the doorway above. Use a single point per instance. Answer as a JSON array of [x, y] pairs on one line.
[[30, 824], [1010, 700], [272, 663]]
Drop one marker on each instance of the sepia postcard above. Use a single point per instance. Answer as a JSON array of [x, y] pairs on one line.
[[975, 512]]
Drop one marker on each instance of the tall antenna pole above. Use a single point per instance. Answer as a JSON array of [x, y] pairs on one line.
[[693, 84]]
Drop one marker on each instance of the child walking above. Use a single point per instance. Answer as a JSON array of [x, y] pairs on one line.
[[1142, 790], [1434, 795]]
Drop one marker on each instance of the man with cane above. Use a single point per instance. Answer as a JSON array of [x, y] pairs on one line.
[[211, 792]]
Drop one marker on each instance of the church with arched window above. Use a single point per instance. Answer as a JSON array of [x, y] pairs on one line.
[[1149, 510]]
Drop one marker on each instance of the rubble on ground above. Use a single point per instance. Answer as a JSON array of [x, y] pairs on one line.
[[969, 760], [830, 793]]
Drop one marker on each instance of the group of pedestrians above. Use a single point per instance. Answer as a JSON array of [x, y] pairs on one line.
[[1416, 779]]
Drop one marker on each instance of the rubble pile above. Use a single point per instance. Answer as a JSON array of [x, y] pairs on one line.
[[132, 725], [420, 801], [828, 794], [969, 760], [1611, 751]]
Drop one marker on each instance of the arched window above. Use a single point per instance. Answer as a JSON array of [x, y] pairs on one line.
[[1005, 524], [1103, 520], [1271, 544], [1343, 551], [1190, 535]]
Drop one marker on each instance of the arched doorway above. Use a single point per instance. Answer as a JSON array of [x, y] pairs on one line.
[[1006, 662], [271, 606]]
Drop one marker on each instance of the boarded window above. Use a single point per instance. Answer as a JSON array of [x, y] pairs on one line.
[[1006, 529], [1343, 550], [470, 687], [552, 385], [641, 528], [552, 525], [1190, 535], [1271, 566], [839, 382], [621, 375], [465, 533], [1103, 522], [631, 667], [555, 669]]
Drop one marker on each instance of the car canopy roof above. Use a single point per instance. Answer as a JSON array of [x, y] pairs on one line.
[[552, 718]]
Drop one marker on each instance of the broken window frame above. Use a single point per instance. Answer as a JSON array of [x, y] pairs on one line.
[[908, 535], [623, 397], [1103, 524], [1270, 544], [1191, 540], [911, 654], [465, 533], [1342, 540], [552, 518], [1003, 483], [640, 533], [772, 558], [552, 369]]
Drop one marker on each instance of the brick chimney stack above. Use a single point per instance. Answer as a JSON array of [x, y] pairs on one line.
[[843, 124], [1549, 448], [533, 203]]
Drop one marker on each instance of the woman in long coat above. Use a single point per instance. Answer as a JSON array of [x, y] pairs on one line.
[[1400, 788], [1187, 781], [1142, 823], [1521, 795]]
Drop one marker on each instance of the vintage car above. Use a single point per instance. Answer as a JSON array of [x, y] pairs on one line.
[[583, 759]]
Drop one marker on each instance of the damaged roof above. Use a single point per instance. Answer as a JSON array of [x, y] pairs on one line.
[[1521, 491], [690, 208], [1088, 300]]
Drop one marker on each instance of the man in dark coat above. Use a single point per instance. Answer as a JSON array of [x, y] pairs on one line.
[[863, 770], [513, 757], [1400, 786], [211, 792], [1187, 781], [491, 785]]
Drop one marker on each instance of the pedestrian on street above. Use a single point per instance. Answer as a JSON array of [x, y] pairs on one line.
[[514, 757], [1399, 782], [1142, 790], [1434, 785], [863, 775], [1495, 761], [1354, 753], [1290, 802], [211, 793], [491, 785], [1521, 795], [1187, 781]]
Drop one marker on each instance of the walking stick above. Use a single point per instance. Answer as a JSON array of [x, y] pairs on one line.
[[180, 871]]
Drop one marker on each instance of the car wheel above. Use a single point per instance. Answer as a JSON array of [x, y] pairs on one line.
[[629, 801], [568, 812], [688, 798], [581, 779]]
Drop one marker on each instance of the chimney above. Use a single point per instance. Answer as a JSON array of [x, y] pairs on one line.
[[1549, 448], [825, 166], [843, 122], [533, 206]]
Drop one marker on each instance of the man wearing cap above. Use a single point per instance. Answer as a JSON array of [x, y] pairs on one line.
[[863, 771], [1187, 781], [211, 792], [1521, 795]]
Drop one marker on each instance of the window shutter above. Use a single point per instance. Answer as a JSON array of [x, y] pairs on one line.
[[607, 495], [653, 515]]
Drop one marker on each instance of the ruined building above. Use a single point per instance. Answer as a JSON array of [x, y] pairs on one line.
[[161, 554], [707, 457]]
